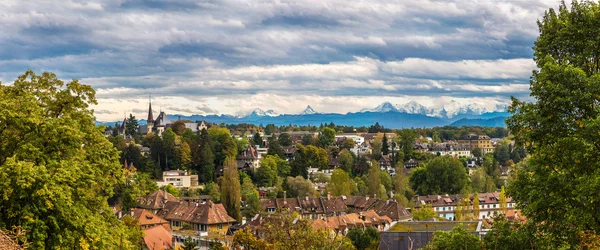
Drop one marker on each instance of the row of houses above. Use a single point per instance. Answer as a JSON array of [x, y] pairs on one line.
[[445, 205], [330, 206]]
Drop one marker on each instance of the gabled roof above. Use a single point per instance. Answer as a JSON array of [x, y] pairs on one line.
[[146, 217], [155, 200], [200, 213], [158, 238]]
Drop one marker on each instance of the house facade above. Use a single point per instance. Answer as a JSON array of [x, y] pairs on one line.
[[178, 178], [445, 205], [201, 217]]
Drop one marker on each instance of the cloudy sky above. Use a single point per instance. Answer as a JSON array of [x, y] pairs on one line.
[[229, 57]]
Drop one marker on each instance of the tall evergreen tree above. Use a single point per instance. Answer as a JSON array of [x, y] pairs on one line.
[[204, 160], [385, 148], [131, 126], [231, 189]]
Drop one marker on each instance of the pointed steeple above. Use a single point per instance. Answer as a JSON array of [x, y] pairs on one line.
[[150, 115]]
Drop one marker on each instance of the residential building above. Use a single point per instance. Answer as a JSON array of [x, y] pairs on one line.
[[478, 141], [155, 201], [320, 208], [202, 217], [249, 159], [411, 163], [445, 206], [341, 224], [178, 178], [147, 219]]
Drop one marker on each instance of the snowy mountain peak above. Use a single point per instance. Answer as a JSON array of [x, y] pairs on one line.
[[382, 108], [413, 107], [309, 111], [260, 112], [449, 110]]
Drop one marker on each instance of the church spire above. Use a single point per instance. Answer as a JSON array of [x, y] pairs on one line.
[[150, 115]]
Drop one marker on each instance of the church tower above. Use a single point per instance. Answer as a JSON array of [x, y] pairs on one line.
[[150, 120]]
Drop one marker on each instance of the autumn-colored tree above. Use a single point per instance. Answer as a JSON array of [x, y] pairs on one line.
[[244, 239], [341, 183], [374, 179], [230, 189], [502, 201], [185, 155], [476, 208]]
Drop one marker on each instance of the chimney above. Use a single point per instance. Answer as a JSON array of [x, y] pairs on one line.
[[120, 214], [328, 196], [284, 197], [131, 212], [243, 220], [306, 197], [366, 197]]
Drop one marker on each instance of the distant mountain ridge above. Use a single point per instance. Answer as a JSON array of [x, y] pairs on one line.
[[411, 114]]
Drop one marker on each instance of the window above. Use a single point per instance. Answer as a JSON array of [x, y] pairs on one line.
[[203, 227], [220, 226]]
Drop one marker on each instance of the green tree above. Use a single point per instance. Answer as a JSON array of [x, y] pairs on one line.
[[171, 190], [285, 140], [348, 144], [346, 161], [457, 239], [407, 142], [376, 147], [364, 238], [441, 175], [230, 189], [560, 128], [185, 155], [204, 159], [57, 167], [213, 190], [308, 140], [502, 201], [136, 185], [362, 166], [400, 182], [275, 148], [502, 152], [188, 244], [477, 152], [257, 140], [425, 212], [266, 175], [250, 197], [299, 187], [326, 137], [131, 126], [385, 148], [476, 208], [170, 152], [341, 183], [374, 179], [306, 157], [224, 146]]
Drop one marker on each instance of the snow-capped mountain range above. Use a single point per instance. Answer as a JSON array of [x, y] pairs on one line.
[[447, 111], [450, 110]]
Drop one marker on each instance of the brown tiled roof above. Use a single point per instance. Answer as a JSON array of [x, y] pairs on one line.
[[200, 213], [158, 238], [147, 218], [155, 200], [334, 205], [353, 220], [392, 209]]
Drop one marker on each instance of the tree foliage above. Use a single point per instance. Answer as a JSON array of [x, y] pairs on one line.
[[57, 168], [364, 238], [456, 239], [341, 183], [441, 175], [558, 187], [230, 189]]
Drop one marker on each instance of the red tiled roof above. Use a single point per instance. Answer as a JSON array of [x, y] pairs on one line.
[[158, 238], [201, 213]]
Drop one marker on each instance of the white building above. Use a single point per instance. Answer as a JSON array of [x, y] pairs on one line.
[[178, 178]]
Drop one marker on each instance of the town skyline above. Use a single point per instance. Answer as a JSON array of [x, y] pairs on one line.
[[225, 58]]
